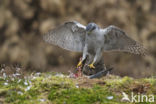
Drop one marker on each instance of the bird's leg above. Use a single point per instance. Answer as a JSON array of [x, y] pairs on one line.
[[92, 65], [97, 57], [83, 57], [79, 63]]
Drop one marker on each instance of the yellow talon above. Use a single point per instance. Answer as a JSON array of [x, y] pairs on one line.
[[91, 65], [79, 64]]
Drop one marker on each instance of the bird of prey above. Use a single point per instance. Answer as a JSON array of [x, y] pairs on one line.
[[92, 40]]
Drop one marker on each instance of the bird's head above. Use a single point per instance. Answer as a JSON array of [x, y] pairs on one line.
[[90, 27]]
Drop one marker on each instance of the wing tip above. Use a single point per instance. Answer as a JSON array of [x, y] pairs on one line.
[[47, 38], [142, 51], [44, 36]]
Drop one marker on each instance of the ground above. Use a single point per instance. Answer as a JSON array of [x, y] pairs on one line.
[[58, 88]]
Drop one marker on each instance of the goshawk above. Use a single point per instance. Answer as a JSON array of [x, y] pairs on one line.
[[92, 40]]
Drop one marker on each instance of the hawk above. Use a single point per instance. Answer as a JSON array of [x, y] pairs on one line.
[[92, 40]]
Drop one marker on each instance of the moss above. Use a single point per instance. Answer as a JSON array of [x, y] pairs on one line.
[[58, 90], [81, 95]]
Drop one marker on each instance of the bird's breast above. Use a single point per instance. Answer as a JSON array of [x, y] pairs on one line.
[[94, 42]]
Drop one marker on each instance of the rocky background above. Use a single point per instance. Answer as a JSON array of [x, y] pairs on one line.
[[23, 22]]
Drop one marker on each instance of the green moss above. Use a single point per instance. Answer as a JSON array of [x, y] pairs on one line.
[[151, 80], [58, 90], [81, 95]]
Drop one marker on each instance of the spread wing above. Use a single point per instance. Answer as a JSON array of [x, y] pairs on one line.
[[70, 36], [117, 40]]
